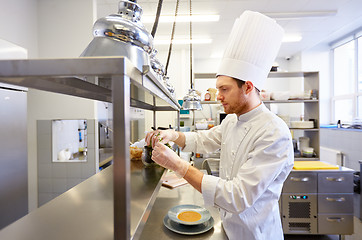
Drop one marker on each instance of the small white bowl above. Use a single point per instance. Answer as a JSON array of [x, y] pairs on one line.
[[308, 152]]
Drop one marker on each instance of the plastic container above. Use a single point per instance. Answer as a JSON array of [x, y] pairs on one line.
[[280, 95], [210, 124], [265, 96], [308, 152], [303, 143], [135, 153], [201, 125], [64, 155]]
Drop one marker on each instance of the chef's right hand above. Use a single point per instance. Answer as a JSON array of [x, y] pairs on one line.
[[163, 136], [167, 158]]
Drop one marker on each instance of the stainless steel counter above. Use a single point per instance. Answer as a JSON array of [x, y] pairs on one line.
[[86, 211], [168, 198], [109, 79]]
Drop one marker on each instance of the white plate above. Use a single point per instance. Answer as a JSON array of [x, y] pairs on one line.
[[188, 229], [175, 211]]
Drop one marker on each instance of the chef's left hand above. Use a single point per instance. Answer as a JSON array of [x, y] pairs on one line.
[[161, 136], [167, 158]]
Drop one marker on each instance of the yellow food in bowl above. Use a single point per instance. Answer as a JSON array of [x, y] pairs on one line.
[[189, 216]]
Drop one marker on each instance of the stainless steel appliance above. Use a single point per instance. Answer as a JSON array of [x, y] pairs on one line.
[[299, 203], [212, 166], [318, 202], [105, 135], [221, 116], [357, 192], [13, 154], [359, 196]]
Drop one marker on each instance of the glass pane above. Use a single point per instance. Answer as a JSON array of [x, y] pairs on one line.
[[360, 65], [344, 64], [359, 113], [69, 140], [343, 110]]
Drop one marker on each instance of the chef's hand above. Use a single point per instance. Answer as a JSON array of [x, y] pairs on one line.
[[167, 158], [163, 136]]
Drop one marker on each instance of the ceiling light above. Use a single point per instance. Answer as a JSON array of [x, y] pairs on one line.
[[182, 18], [192, 101], [297, 15], [291, 38], [181, 41]]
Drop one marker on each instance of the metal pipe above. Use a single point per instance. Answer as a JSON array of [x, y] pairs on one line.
[[121, 171]]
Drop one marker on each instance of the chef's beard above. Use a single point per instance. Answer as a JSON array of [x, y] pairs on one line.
[[238, 107]]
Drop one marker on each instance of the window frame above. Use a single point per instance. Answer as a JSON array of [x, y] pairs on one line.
[[357, 92]]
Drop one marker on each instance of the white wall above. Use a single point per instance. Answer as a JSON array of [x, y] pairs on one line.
[[64, 31], [207, 65], [318, 59], [18, 24], [64, 27], [179, 73], [178, 69]]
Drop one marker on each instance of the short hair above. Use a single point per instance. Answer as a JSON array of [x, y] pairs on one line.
[[239, 82], [242, 82]]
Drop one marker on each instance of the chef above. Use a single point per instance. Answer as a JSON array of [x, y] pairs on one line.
[[256, 145]]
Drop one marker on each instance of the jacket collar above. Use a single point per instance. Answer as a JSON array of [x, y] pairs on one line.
[[251, 114]]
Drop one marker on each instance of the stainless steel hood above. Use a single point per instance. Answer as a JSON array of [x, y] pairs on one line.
[[122, 34]]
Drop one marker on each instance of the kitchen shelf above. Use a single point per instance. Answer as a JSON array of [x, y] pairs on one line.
[[309, 81], [270, 75], [108, 79], [273, 101], [293, 101], [309, 108], [76, 77], [306, 159], [210, 102], [305, 129], [290, 74]]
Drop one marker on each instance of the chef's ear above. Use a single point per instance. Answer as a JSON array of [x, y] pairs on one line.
[[249, 87]]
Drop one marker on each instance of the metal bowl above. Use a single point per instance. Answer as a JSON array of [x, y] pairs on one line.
[[147, 155]]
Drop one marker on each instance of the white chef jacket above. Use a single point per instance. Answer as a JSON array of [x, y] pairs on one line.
[[256, 157]]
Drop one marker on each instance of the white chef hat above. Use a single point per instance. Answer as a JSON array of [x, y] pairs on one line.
[[251, 49]]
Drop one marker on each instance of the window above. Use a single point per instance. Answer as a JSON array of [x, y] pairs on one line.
[[344, 65], [344, 110], [347, 80], [359, 71], [359, 107]]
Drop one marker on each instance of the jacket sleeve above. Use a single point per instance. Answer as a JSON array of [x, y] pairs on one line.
[[270, 157], [205, 141]]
